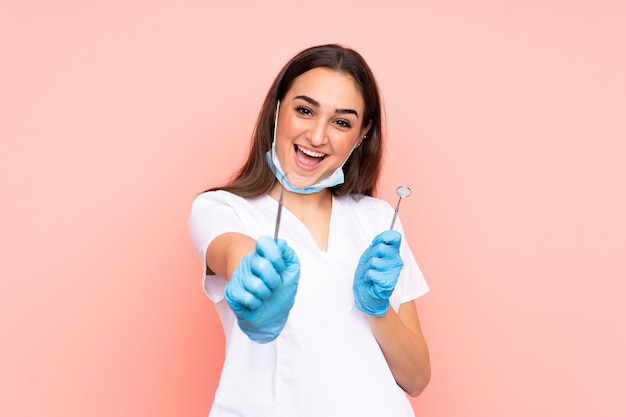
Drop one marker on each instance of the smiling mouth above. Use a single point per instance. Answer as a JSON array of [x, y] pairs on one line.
[[309, 156]]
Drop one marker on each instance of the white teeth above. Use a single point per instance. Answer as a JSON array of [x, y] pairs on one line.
[[311, 153]]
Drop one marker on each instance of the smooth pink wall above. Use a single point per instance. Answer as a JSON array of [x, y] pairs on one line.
[[505, 117]]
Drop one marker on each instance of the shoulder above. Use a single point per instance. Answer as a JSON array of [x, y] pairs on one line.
[[369, 214], [220, 205], [221, 198], [217, 212], [208, 197], [362, 202]]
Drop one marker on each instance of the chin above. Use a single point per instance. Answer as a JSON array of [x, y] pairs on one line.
[[300, 182]]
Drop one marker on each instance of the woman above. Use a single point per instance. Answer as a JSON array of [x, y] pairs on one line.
[[321, 321]]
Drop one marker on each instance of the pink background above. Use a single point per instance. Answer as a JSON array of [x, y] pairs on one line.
[[507, 119]]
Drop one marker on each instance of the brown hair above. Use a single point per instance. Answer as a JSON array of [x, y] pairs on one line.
[[361, 170]]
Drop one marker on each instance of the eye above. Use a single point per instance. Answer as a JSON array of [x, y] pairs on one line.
[[343, 123], [304, 110]]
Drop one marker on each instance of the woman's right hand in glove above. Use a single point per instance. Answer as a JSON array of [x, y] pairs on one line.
[[262, 289]]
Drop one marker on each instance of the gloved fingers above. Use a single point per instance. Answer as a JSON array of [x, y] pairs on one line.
[[379, 294], [288, 254], [369, 253], [386, 259], [382, 257], [264, 270], [382, 250], [267, 248], [240, 299], [292, 263], [388, 237], [257, 287], [382, 278], [382, 274], [239, 309]]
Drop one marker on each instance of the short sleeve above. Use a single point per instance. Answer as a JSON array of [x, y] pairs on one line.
[[373, 216], [411, 283], [212, 214]]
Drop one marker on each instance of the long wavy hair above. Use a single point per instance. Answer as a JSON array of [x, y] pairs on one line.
[[361, 170]]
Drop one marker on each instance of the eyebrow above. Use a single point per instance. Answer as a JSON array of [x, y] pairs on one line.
[[316, 103]]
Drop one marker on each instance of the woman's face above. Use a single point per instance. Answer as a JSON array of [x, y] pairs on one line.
[[319, 123]]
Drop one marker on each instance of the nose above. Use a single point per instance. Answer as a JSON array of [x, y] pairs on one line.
[[317, 133]]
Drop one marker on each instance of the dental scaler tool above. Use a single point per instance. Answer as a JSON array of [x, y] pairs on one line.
[[280, 210], [280, 207]]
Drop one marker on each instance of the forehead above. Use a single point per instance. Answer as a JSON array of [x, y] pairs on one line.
[[329, 87]]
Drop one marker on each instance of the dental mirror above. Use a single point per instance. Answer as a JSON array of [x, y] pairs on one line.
[[402, 191]]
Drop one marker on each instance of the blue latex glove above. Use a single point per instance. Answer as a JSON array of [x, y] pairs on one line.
[[377, 273], [262, 289]]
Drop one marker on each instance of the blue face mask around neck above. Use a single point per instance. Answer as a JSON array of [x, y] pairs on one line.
[[335, 178]]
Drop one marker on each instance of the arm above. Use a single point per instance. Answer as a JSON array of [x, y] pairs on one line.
[[262, 281], [399, 336], [226, 251]]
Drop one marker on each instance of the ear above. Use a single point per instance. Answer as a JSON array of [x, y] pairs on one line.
[[363, 134], [365, 130]]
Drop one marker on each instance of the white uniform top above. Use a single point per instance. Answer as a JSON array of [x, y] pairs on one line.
[[326, 362]]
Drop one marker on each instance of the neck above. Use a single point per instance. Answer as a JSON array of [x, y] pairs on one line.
[[291, 199]]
